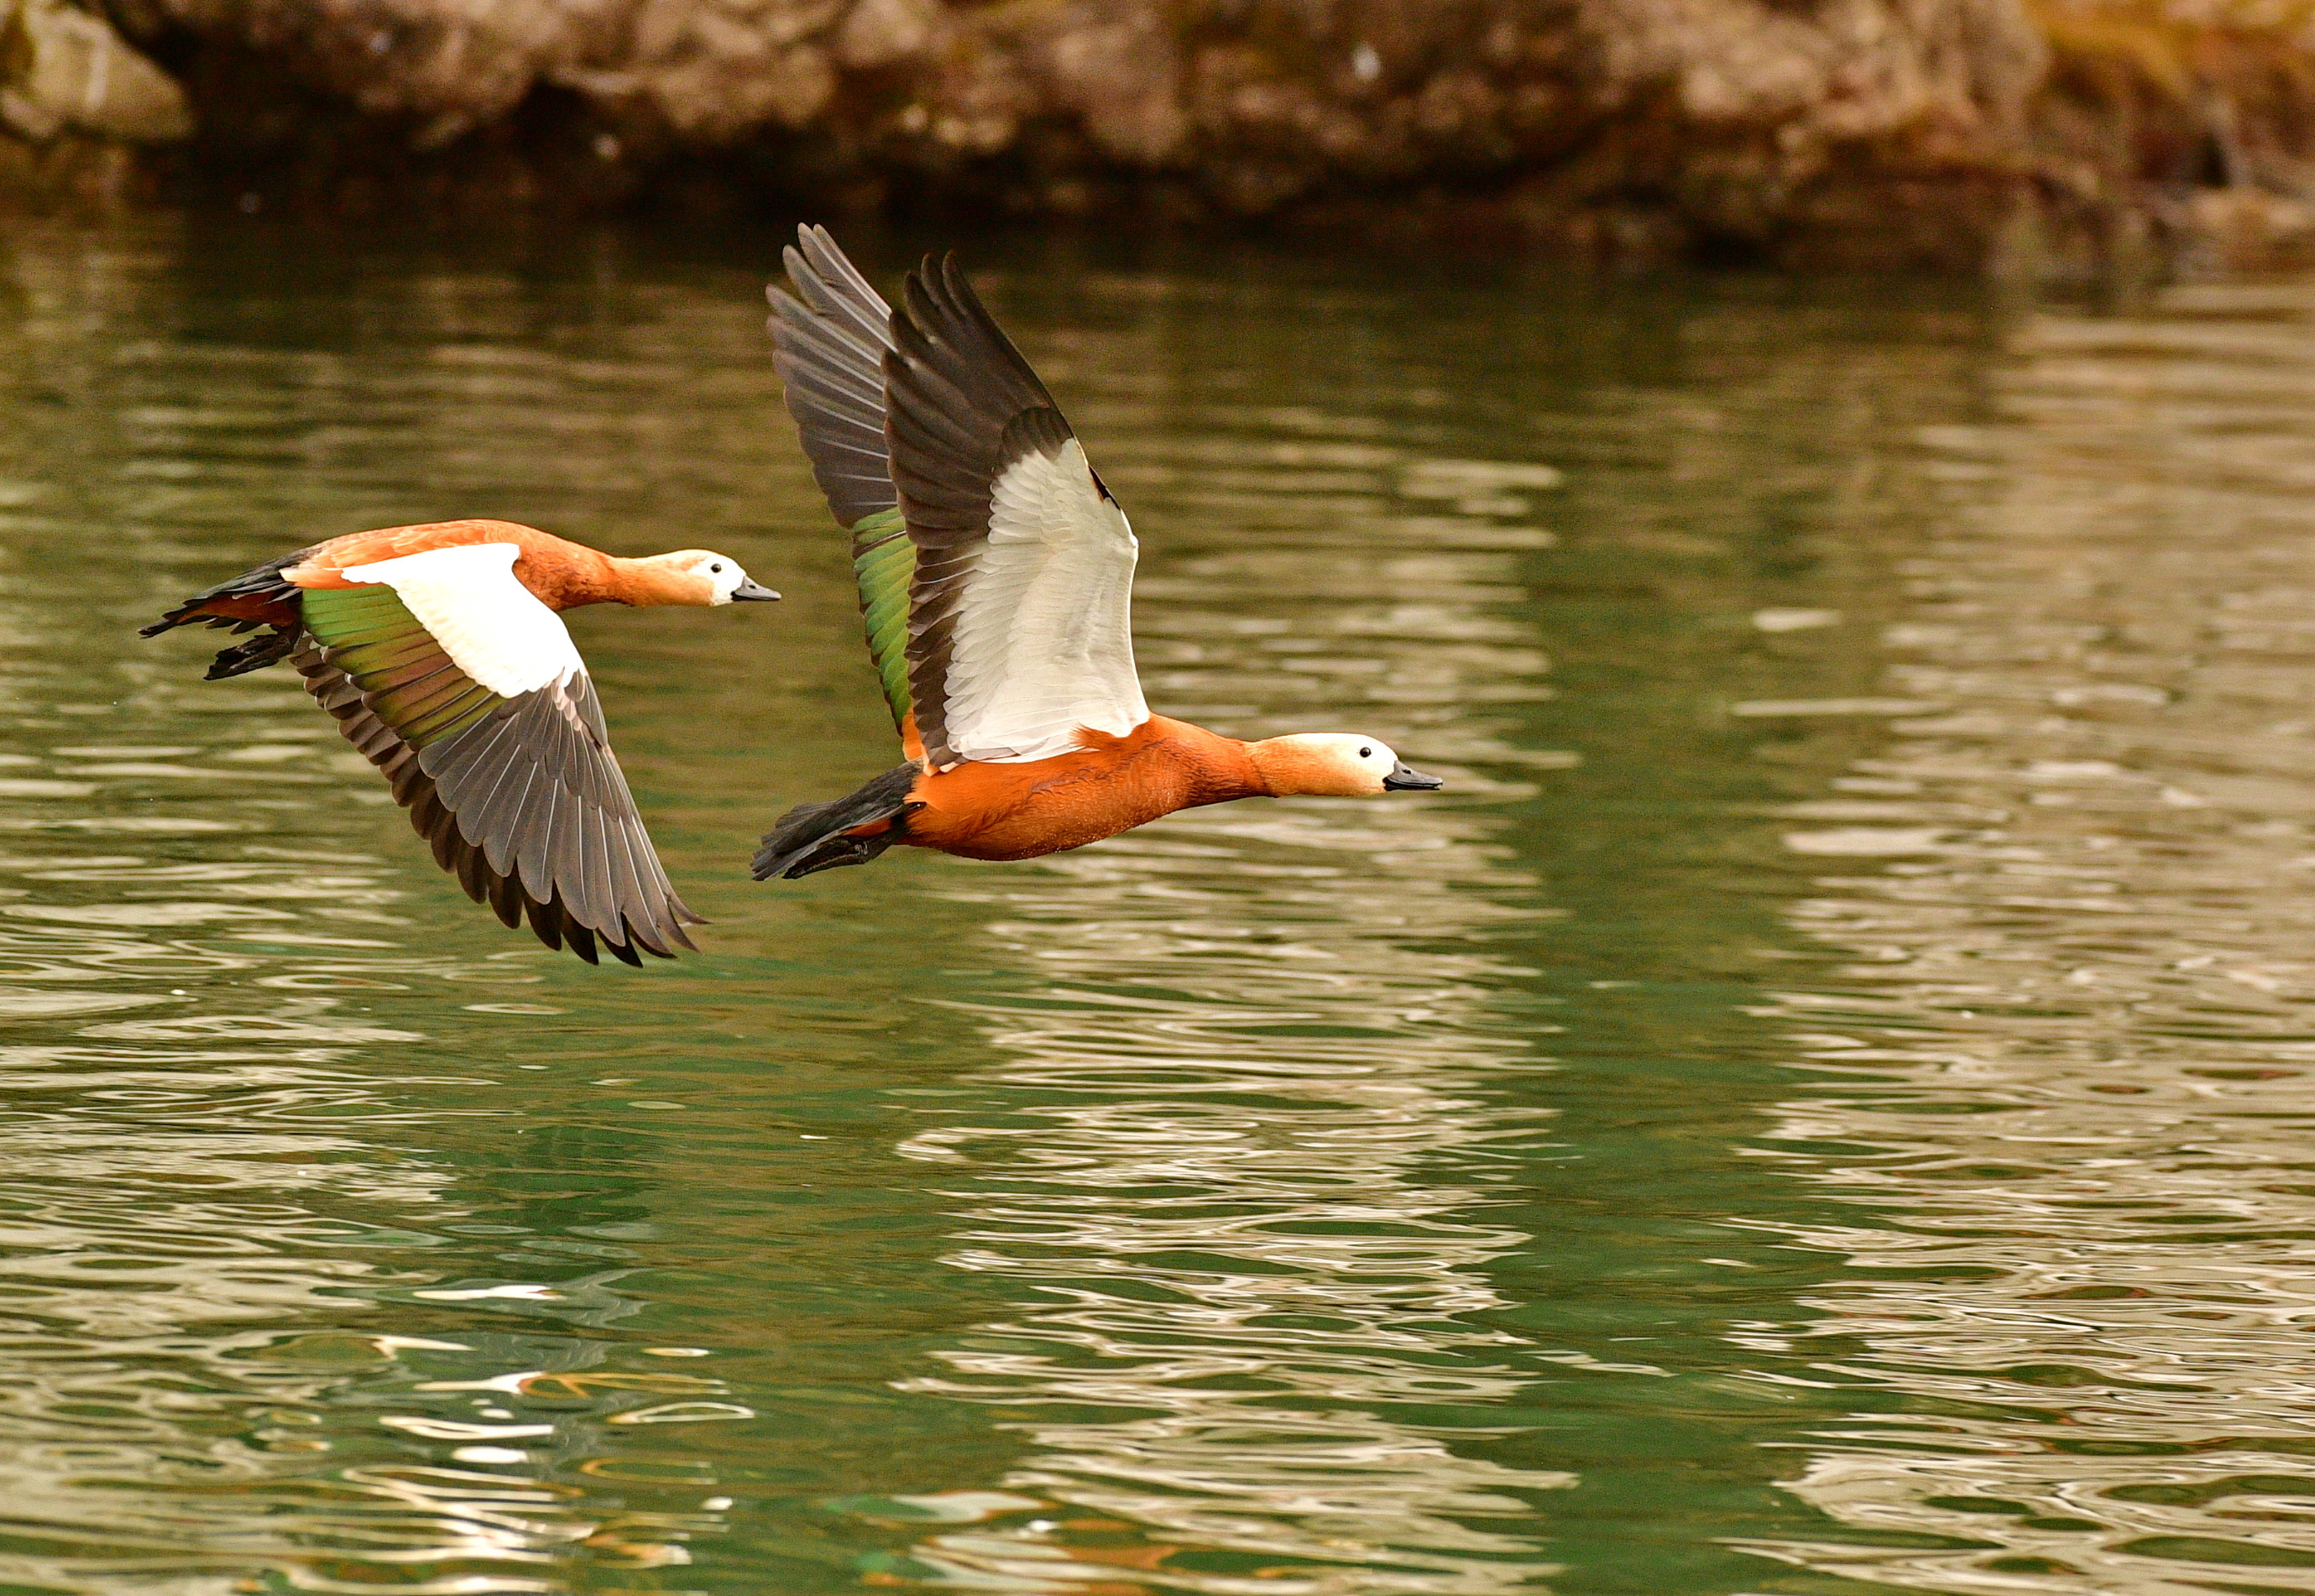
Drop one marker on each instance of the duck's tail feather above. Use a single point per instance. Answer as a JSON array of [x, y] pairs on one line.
[[257, 597], [848, 830]]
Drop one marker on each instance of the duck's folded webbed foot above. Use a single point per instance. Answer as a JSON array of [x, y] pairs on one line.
[[847, 830], [825, 853], [254, 654]]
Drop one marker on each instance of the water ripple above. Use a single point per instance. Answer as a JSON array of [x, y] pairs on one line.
[[2078, 1027]]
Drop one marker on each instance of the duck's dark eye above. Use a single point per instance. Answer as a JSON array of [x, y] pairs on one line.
[[1366, 753], [716, 569]]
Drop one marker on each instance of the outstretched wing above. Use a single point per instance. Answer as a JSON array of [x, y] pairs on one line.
[[1019, 624], [829, 340], [467, 693]]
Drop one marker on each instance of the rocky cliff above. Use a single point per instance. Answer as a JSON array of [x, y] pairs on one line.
[[1946, 132]]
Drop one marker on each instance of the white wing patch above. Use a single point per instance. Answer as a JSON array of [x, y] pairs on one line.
[[492, 627], [1044, 637]]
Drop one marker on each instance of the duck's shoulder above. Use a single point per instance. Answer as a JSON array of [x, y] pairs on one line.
[[555, 569]]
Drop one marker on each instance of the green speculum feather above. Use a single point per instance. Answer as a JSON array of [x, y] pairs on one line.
[[372, 637], [886, 561]]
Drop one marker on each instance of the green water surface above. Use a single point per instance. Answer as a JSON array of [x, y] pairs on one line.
[[1820, 1104]]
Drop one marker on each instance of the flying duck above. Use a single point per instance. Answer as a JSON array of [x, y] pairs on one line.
[[996, 573], [441, 652]]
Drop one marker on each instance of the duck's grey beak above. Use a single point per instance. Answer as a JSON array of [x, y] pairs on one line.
[[1403, 780], [753, 590]]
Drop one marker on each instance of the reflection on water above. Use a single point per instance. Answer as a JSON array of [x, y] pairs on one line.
[[2076, 1024], [1815, 1105]]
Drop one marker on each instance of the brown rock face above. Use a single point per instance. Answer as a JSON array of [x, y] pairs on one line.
[[1839, 131], [1599, 124]]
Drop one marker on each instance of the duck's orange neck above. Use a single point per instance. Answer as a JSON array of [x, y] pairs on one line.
[[571, 576], [1227, 768], [578, 575], [642, 582]]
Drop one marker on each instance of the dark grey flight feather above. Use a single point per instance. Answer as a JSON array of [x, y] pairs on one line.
[[529, 809], [963, 405], [829, 347]]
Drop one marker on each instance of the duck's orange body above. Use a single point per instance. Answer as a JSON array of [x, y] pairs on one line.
[[1024, 810], [1113, 784], [560, 573]]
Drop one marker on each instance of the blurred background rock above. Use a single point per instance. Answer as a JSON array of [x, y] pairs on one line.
[[2077, 137]]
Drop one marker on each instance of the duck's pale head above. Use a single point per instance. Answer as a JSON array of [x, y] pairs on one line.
[[1336, 764], [690, 576]]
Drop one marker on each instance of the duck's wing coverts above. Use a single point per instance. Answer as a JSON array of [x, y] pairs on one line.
[[1019, 626], [466, 693], [828, 340]]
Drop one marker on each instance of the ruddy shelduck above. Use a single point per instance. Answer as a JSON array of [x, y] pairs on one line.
[[995, 572], [441, 651]]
